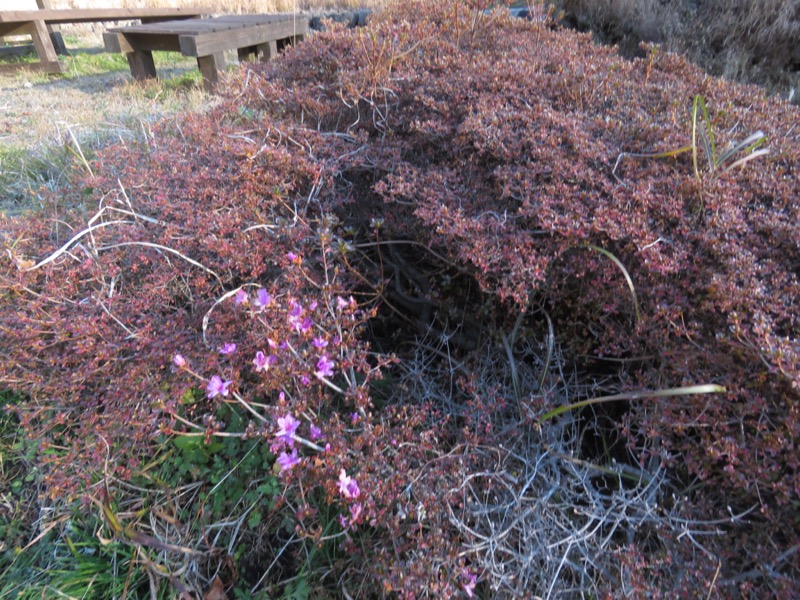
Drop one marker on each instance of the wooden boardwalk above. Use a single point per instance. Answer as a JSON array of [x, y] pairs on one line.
[[36, 23], [257, 37]]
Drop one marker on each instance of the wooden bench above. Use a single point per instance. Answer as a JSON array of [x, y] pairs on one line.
[[252, 36], [36, 23]]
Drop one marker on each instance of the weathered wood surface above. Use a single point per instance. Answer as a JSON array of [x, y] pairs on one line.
[[39, 25], [259, 36], [96, 15]]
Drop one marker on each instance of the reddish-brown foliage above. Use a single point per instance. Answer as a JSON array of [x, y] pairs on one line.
[[490, 142]]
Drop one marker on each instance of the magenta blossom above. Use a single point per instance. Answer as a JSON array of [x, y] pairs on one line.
[[287, 461], [315, 433], [287, 426], [228, 348], [355, 511], [179, 361], [217, 387], [305, 326], [324, 367], [295, 317], [319, 343], [262, 362], [348, 487], [240, 297], [262, 300], [472, 581]]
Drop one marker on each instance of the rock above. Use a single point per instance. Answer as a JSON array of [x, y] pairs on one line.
[[353, 18]]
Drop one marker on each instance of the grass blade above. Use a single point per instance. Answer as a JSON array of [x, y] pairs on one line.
[[665, 393], [748, 145], [625, 273]]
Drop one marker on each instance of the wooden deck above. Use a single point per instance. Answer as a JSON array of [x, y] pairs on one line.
[[252, 36], [37, 22]]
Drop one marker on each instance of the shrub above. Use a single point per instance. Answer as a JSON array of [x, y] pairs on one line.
[[447, 170]]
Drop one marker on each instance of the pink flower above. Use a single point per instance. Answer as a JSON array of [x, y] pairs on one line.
[[324, 367], [296, 311], [319, 343], [287, 461], [469, 586], [240, 297], [341, 303], [179, 361], [216, 387], [342, 521], [355, 511], [262, 362], [292, 257], [348, 487], [228, 348], [315, 433], [263, 299], [312, 305], [287, 426], [296, 319]]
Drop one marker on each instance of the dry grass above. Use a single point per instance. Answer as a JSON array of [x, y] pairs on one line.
[[46, 122], [752, 42], [222, 6]]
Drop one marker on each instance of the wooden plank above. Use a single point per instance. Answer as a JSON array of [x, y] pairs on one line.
[[167, 27], [190, 26], [142, 65], [7, 29], [300, 25], [90, 15], [44, 46], [115, 42], [260, 19], [216, 41], [163, 42], [210, 66], [55, 33]]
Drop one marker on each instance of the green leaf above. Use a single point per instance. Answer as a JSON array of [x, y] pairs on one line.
[[194, 444], [254, 520]]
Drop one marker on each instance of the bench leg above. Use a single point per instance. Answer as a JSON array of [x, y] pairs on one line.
[[44, 47], [210, 66], [142, 65], [268, 51], [245, 53], [290, 41], [58, 43], [259, 52]]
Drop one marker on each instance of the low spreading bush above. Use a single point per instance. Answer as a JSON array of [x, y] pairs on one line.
[[387, 258]]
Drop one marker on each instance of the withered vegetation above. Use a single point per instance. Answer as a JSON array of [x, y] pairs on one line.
[[435, 205]]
